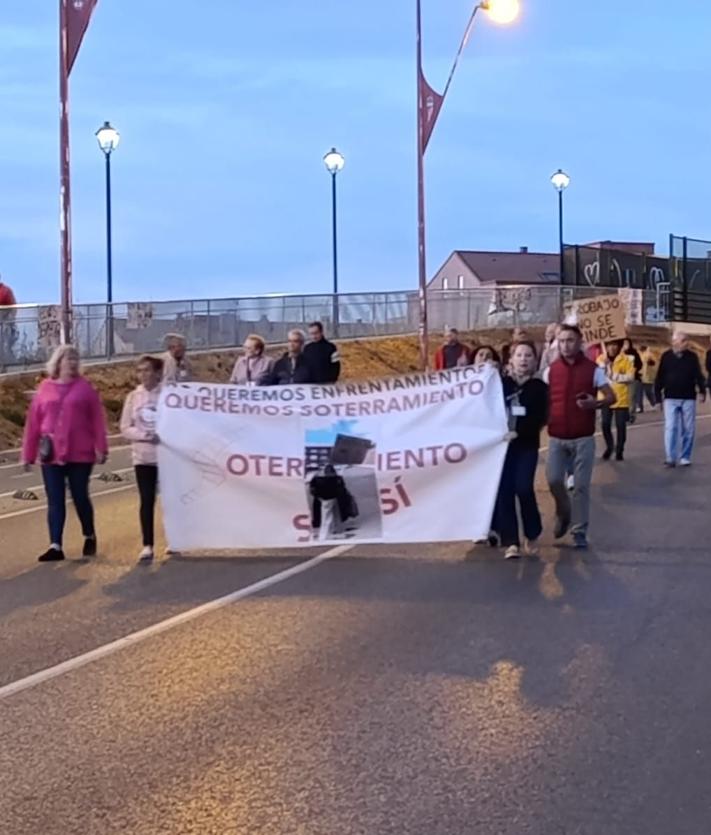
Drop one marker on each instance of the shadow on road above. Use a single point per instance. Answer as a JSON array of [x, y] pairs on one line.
[[40, 586]]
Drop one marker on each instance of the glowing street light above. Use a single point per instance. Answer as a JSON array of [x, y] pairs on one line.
[[560, 181], [502, 11]]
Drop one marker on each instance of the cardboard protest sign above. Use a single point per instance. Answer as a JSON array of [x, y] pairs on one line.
[[600, 318]]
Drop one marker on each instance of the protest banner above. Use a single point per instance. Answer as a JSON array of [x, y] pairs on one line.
[[409, 459], [600, 318]]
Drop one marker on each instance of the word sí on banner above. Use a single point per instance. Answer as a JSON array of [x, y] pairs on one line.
[[601, 318], [416, 458]]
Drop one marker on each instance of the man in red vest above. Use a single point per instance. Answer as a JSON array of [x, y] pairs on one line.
[[574, 382]]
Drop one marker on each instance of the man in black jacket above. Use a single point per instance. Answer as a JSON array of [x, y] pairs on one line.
[[291, 368], [678, 382], [322, 356]]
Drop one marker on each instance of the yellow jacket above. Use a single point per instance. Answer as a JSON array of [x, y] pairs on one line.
[[649, 372], [621, 375]]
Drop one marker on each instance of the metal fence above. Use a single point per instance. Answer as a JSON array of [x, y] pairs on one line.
[[29, 333], [600, 266]]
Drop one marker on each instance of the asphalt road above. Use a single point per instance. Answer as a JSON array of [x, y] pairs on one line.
[[432, 690]]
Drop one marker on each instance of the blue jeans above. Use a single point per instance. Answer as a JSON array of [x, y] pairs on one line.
[[679, 419], [55, 477], [517, 483]]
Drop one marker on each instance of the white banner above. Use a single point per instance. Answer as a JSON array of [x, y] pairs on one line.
[[409, 459]]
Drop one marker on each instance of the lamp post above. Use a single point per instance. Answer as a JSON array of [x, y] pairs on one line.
[[560, 181], [429, 105], [108, 139], [334, 162]]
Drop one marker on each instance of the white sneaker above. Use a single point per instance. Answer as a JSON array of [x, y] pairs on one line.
[[570, 483], [146, 554], [684, 462], [530, 546], [513, 552]]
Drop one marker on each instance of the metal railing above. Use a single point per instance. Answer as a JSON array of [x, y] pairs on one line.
[[29, 333]]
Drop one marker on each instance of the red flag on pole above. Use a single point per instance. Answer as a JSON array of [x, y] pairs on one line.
[[430, 105], [78, 17]]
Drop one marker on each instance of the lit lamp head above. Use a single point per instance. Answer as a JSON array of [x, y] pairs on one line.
[[560, 180], [334, 161], [108, 138], [502, 11]]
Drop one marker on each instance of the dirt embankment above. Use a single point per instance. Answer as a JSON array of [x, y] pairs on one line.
[[362, 359]]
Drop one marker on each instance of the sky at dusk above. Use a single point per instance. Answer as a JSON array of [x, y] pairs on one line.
[[226, 108]]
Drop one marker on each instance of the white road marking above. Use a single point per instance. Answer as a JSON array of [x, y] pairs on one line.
[[16, 513], [163, 626], [40, 487]]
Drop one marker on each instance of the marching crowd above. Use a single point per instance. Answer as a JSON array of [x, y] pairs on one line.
[[558, 387]]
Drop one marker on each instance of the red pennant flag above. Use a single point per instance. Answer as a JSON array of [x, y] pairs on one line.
[[430, 105], [78, 15]]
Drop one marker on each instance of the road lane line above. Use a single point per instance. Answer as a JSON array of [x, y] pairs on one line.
[[16, 513], [40, 487], [163, 626]]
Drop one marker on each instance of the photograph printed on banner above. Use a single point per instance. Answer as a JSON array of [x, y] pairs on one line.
[[341, 483]]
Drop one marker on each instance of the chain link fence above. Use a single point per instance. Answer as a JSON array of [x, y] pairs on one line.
[[29, 333]]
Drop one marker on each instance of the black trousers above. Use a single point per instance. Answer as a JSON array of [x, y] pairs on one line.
[[517, 483], [621, 417], [147, 481]]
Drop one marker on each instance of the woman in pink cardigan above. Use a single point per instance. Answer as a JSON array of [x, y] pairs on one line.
[[66, 429]]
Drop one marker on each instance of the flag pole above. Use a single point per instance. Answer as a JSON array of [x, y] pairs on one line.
[[65, 189], [421, 241]]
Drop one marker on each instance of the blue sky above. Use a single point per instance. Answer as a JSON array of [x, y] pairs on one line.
[[219, 187]]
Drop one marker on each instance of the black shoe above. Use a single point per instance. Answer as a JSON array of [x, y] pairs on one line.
[[580, 541], [606, 455], [561, 528], [620, 456], [51, 555], [89, 549]]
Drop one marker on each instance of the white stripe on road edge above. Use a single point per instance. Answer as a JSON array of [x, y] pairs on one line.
[[96, 495], [40, 487], [163, 626], [15, 513]]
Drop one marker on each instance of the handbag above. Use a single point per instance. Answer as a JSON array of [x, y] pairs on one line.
[[46, 449], [46, 442]]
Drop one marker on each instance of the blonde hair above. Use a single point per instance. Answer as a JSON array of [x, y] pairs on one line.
[[257, 339], [56, 359]]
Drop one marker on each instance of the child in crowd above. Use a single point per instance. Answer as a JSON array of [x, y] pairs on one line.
[[138, 425]]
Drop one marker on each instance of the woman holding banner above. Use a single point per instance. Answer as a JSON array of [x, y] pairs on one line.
[[527, 407]]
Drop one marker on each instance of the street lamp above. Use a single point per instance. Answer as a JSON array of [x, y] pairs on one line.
[[334, 162], [502, 11], [108, 139], [429, 106], [560, 181]]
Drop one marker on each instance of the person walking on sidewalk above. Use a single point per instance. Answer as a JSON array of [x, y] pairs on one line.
[[649, 376], [291, 368], [322, 356], [527, 406], [636, 384], [177, 368], [255, 367], [66, 429], [620, 370], [574, 384], [453, 354], [678, 382], [708, 366], [138, 425]]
